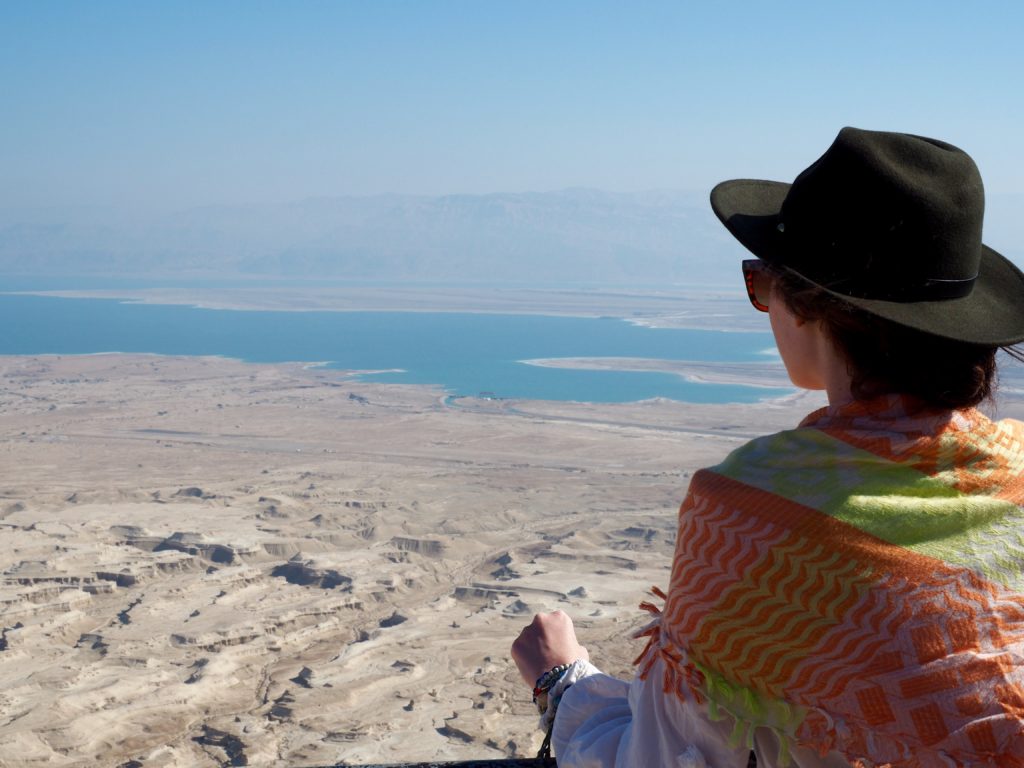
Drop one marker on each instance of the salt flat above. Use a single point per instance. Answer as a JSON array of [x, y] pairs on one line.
[[204, 562]]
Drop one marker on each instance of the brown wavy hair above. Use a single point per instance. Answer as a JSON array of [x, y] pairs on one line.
[[883, 357]]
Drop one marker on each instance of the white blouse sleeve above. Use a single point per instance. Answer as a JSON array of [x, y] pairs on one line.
[[604, 722]]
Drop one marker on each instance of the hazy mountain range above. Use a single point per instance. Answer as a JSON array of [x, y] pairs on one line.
[[575, 236]]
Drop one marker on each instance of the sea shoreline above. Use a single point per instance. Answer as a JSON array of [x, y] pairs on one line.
[[484, 359], [719, 310]]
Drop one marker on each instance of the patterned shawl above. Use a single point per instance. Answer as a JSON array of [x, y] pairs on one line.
[[857, 584]]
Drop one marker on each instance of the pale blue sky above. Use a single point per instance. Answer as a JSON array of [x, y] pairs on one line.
[[186, 103]]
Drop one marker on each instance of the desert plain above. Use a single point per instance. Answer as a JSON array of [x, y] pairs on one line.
[[205, 562]]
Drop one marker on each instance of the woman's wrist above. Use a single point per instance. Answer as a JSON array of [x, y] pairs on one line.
[[547, 695], [578, 670], [545, 683]]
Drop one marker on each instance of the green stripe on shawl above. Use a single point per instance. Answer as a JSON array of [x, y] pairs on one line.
[[895, 502]]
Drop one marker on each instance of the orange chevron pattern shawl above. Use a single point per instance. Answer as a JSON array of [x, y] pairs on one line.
[[857, 584]]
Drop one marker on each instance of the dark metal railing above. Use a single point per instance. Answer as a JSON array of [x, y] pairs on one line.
[[526, 762]]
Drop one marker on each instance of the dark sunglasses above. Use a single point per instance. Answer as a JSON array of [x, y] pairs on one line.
[[759, 283]]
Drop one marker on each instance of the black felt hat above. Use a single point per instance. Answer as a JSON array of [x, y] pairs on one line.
[[889, 223]]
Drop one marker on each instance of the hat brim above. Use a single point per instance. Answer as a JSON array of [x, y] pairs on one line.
[[991, 315]]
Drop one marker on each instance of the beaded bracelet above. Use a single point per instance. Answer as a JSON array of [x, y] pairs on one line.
[[545, 683]]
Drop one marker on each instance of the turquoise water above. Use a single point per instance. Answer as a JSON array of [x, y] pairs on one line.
[[467, 354]]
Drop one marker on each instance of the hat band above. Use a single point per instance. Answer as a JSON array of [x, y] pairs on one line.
[[931, 289]]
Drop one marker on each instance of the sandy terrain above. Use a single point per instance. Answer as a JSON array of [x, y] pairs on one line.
[[206, 561], [209, 563]]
